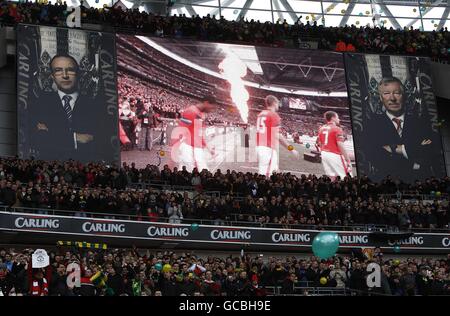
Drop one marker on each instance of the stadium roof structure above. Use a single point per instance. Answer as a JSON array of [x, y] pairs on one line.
[[427, 15], [304, 72], [420, 14]]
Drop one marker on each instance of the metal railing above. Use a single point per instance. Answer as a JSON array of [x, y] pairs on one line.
[[308, 289], [413, 196], [403, 195], [165, 186], [233, 222]]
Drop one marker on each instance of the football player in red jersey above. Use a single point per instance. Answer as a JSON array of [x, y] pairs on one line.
[[335, 159], [268, 137], [192, 145]]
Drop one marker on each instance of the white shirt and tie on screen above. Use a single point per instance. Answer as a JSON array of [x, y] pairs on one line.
[[68, 102], [398, 122], [65, 76], [391, 95]]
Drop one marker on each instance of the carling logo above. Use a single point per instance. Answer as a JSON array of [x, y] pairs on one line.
[[96, 227], [154, 231], [290, 237], [231, 234], [45, 223]]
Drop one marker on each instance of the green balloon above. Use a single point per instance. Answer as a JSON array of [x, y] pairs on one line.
[[194, 227], [158, 266], [109, 292], [438, 193], [397, 248], [325, 245], [308, 145]]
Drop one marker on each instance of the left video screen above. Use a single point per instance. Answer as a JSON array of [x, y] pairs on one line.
[[67, 95]]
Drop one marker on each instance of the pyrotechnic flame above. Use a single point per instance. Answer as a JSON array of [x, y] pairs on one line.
[[233, 69]]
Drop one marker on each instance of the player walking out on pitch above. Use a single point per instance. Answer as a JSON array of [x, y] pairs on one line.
[[192, 144], [335, 159], [268, 137]]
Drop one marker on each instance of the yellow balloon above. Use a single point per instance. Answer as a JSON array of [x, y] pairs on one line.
[[166, 268], [323, 280], [162, 153], [357, 22], [290, 148], [342, 11], [307, 17]]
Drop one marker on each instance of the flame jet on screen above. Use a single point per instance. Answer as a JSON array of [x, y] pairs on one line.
[[234, 69]]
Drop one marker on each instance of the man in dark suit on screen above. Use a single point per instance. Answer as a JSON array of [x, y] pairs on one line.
[[64, 123], [397, 143]]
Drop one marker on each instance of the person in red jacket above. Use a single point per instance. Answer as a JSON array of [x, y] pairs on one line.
[[340, 46], [351, 48], [39, 284], [257, 290], [38, 279]]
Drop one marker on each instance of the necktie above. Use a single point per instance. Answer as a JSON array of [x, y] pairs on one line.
[[67, 107], [398, 122]]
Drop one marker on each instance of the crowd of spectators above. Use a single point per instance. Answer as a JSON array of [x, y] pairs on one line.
[[282, 198], [130, 272], [435, 44]]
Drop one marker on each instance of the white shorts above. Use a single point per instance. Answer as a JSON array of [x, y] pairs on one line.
[[191, 158], [333, 164], [267, 160]]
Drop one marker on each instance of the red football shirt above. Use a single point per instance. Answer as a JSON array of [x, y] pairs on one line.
[[267, 124], [329, 135], [193, 120]]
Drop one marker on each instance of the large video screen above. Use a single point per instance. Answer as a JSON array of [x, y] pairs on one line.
[[67, 95], [224, 106], [394, 116]]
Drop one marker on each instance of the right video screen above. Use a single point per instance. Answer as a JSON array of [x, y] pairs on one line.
[[394, 117]]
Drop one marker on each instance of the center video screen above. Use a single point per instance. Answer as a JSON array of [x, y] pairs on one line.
[[225, 106]]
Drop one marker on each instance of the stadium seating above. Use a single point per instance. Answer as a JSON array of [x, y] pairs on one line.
[[363, 39], [283, 199]]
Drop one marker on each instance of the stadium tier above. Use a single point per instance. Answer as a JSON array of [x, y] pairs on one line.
[[133, 272]]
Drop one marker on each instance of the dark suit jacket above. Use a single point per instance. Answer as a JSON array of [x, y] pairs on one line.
[[88, 117], [380, 131]]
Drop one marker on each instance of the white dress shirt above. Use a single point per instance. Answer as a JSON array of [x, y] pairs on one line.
[[72, 100]]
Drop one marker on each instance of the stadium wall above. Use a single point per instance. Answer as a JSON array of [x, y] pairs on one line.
[[48, 229], [8, 109], [444, 114]]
